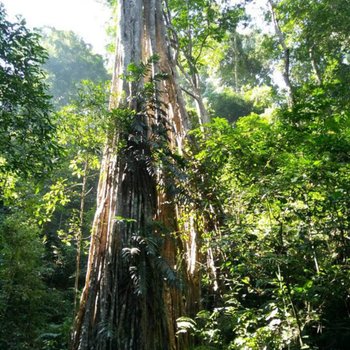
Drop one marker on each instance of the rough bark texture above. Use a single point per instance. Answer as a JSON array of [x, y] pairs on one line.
[[125, 303]]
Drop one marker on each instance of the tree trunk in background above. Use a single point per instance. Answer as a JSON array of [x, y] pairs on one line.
[[286, 55], [200, 107], [79, 234], [236, 58], [125, 303], [314, 65]]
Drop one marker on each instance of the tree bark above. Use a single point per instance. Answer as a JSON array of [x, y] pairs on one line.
[[125, 303]]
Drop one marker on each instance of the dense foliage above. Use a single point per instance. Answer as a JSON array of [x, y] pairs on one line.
[[44, 159], [26, 131], [282, 183], [265, 184], [278, 186]]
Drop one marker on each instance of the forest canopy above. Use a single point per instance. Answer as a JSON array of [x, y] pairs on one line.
[[199, 200]]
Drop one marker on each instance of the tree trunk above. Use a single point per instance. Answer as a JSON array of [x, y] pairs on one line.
[[315, 66], [200, 107], [125, 303], [236, 58], [79, 234], [286, 55]]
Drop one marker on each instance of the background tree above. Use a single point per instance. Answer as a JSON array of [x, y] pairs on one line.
[[41, 213], [28, 151], [244, 60], [194, 26], [82, 132], [310, 50], [70, 61]]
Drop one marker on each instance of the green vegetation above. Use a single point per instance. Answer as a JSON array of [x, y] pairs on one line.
[[282, 183], [26, 131], [44, 159], [70, 60], [256, 249]]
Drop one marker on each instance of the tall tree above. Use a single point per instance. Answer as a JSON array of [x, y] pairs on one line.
[[194, 26], [243, 60], [125, 303]]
